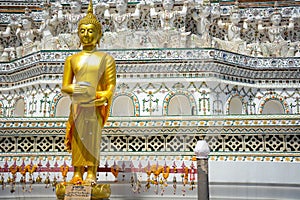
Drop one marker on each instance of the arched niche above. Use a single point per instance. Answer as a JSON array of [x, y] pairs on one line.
[[122, 106], [179, 105], [63, 107], [235, 106], [273, 107], [19, 108]]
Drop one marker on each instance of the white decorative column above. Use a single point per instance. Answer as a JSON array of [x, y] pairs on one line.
[[202, 151]]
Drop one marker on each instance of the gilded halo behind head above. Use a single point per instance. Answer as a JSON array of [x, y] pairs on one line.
[[90, 18]]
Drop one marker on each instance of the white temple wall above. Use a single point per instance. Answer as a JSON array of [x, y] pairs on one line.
[[152, 98]]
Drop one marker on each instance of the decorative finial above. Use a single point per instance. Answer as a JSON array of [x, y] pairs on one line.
[[90, 8]]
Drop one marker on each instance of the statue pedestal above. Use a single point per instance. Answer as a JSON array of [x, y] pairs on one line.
[[82, 192]]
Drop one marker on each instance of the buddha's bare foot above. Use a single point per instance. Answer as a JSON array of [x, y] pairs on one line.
[[91, 174], [78, 175], [90, 180]]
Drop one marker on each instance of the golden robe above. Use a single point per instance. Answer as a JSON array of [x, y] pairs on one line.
[[83, 133]]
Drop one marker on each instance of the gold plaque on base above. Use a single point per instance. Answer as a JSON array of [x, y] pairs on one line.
[[78, 192], [85, 192]]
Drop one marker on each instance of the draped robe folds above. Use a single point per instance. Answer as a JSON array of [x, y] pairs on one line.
[[83, 133]]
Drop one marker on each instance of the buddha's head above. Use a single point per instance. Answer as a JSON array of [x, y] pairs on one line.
[[89, 28]]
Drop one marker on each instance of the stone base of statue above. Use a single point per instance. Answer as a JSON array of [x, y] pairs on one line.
[[69, 191]]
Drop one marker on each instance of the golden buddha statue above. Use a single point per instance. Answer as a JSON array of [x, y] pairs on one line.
[[89, 78]]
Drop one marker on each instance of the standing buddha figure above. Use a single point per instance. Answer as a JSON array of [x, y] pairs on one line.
[[89, 78]]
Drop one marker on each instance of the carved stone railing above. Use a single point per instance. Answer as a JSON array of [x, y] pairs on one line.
[[160, 136], [134, 144]]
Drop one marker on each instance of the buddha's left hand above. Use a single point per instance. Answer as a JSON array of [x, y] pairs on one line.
[[102, 101]]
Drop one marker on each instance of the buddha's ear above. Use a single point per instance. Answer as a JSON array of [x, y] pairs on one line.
[[98, 41], [100, 34]]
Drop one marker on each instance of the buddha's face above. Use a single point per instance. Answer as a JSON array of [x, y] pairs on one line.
[[276, 19], [88, 34], [121, 5], [168, 4]]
